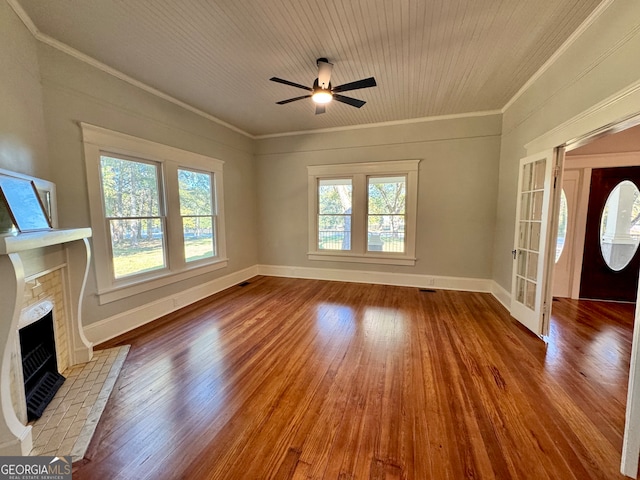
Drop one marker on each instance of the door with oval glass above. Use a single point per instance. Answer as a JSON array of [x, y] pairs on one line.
[[611, 261]]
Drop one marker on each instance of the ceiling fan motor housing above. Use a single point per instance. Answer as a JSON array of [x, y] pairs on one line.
[[324, 73]]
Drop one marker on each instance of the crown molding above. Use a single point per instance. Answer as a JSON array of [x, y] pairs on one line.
[[383, 124], [46, 39], [600, 9], [614, 113], [22, 15], [52, 42], [63, 47]]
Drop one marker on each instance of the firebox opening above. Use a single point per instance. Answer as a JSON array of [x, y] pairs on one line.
[[39, 365]]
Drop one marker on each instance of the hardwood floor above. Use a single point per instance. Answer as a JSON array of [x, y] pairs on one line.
[[296, 379]]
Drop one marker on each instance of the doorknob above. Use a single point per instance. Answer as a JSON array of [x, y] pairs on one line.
[[514, 252]]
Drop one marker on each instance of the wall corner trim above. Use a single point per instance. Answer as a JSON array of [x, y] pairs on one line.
[[501, 294]]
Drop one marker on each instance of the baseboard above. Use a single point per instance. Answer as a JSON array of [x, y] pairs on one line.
[[20, 443], [123, 322], [501, 294], [111, 327], [381, 278]]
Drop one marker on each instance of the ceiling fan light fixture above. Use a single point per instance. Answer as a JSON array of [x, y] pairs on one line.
[[322, 96]]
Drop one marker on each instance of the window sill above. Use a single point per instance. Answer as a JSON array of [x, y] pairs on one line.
[[120, 291], [389, 259]]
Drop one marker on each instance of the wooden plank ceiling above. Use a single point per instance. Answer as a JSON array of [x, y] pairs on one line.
[[430, 57]]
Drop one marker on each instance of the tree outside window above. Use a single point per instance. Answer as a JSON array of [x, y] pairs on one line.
[[386, 214], [334, 214], [197, 212], [133, 212]]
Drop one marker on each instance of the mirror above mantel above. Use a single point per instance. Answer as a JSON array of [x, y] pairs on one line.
[[46, 197]]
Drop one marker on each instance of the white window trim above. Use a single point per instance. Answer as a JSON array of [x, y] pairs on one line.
[[359, 172], [97, 141]]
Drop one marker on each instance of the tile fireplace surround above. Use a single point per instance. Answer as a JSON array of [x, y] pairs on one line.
[[28, 261]]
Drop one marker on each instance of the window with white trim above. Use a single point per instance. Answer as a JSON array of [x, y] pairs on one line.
[[156, 212], [133, 214], [363, 212], [198, 214]]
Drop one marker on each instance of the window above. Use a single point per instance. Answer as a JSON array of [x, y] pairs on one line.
[[386, 201], [133, 216], [197, 212], [334, 214], [562, 225], [363, 212], [156, 213]]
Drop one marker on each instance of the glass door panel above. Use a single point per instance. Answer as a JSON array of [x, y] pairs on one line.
[[534, 196]]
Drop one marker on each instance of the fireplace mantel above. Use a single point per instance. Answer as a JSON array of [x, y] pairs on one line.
[[46, 238], [15, 437]]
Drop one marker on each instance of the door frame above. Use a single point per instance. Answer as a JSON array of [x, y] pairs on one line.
[[611, 115]]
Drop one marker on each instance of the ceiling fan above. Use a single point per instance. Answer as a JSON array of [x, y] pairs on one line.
[[322, 92]]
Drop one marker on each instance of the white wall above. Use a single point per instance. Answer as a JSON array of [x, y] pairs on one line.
[[23, 145], [456, 201], [601, 62], [73, 92]]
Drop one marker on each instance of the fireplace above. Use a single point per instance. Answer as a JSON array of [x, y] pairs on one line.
[[36, 266], [39, 363], [50, 264]]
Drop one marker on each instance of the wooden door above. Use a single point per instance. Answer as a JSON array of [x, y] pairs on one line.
[[611, 261]]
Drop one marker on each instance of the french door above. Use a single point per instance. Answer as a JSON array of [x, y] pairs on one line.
[[530, 297]]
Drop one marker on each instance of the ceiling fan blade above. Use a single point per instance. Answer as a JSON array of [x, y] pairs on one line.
[[282, 102], [320, 109], [324, 72], [287, 82], [364, 83], [354, 102]]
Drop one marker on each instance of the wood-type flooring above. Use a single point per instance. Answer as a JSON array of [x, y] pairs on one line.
[[305, 379]]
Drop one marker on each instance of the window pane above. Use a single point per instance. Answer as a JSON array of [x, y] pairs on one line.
[[562, 225], [198, 238], [619, 233], [131, 197], [129, 188], [196, 208], [386, 207], [386, 233], [334, 219], [195, 193], [334, 196], [137, 246], [334, 232], [387, 195]]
